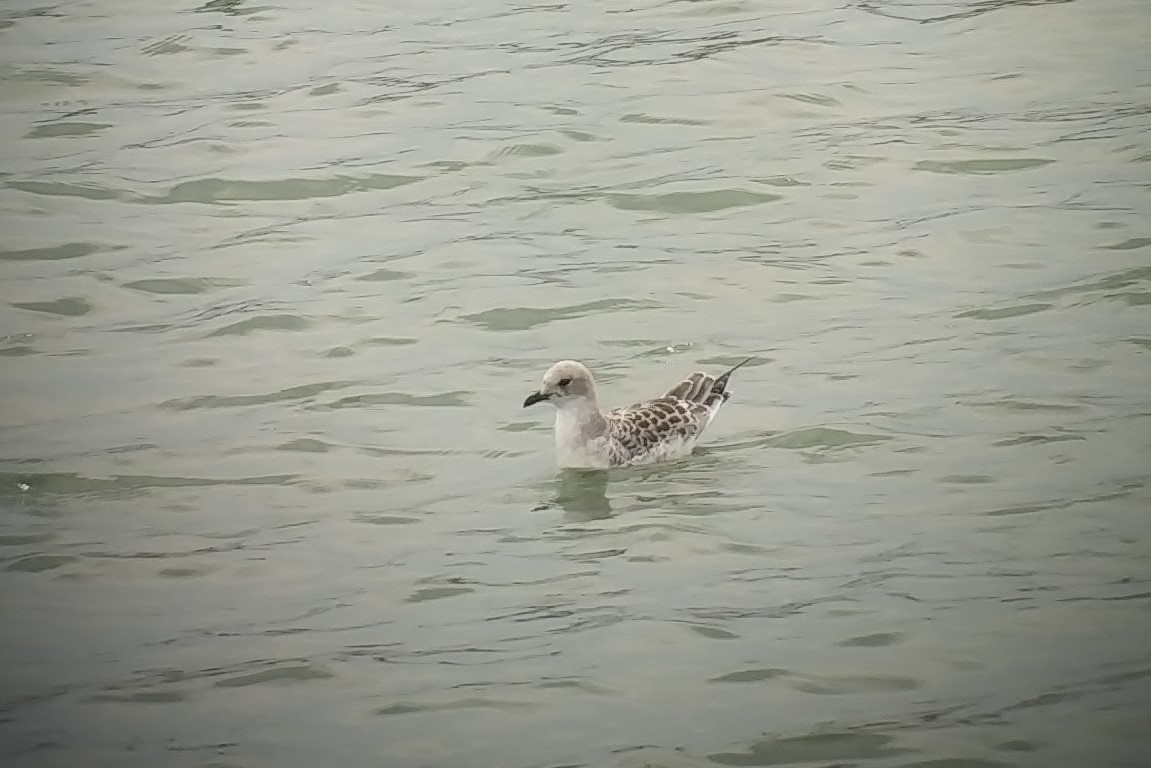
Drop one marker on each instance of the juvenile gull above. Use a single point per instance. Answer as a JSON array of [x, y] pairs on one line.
[[654, 430]]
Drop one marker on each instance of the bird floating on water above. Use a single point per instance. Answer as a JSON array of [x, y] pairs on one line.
[[662, 429]]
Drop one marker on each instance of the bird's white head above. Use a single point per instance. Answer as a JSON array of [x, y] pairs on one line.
[[566, 384]]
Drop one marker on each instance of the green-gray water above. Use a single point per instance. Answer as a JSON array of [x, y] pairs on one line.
[[275, 280]]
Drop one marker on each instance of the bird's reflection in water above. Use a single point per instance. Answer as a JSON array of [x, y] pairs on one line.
[[582, 494]]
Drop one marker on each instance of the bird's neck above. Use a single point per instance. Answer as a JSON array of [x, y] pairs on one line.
[[579, 420], [579, 425]]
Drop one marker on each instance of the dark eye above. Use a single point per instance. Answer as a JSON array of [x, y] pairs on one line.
[[564, 382]]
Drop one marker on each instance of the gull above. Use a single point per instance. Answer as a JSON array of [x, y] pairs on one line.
[[662, 429]]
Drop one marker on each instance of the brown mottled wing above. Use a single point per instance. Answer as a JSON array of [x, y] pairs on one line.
[[641, 427], [703, 388], [694, 389]]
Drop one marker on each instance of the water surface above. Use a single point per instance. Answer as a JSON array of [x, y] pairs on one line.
[[274, 281]]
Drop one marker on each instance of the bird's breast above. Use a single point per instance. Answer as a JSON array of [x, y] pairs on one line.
[[575, 449]]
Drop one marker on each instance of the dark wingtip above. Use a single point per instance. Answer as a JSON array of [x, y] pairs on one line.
[[733, 369], [740, 364], [720, 386]]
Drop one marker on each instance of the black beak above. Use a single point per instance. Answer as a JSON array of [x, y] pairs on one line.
[[535, 397]]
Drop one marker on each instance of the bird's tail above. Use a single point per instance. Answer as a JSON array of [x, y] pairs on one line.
[[704, 389], [719, 388]]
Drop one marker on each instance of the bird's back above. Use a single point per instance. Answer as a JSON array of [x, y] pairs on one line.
[[664, 428]]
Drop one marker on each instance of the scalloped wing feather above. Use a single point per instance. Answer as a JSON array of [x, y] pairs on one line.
[[658, 429]]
